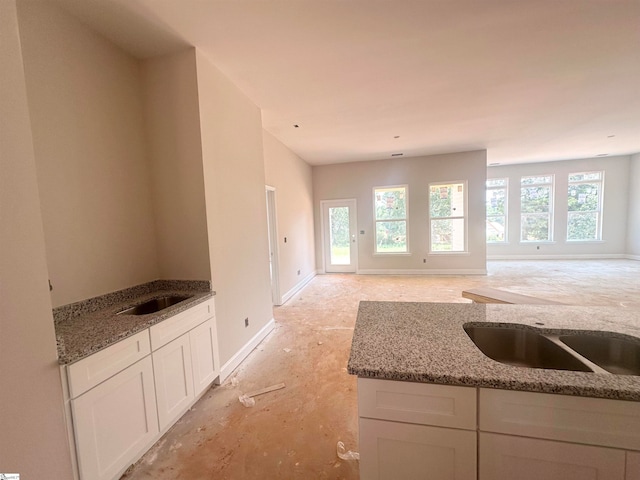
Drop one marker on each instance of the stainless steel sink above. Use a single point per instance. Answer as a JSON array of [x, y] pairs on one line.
[[614, 354], [154, 305], [522, 347]]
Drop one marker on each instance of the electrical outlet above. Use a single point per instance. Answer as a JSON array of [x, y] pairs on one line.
[[246, 322], [298, 272], [538, 247], [424, 260]]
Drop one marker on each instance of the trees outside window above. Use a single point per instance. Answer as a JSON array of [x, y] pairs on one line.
[[447, 217], [391, 212], [536, 208], [496, 197], [584, 215]]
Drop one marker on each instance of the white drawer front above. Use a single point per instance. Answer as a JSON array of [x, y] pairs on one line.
[[420, 403], [89, 372], [595, 421], [511, 458], [391, 451], [171, 328]]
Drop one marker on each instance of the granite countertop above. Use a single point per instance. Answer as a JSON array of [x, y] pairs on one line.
[[86, 327], [426, 342]]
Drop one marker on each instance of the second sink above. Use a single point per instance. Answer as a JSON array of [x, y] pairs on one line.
[[615, 355], [154, 305]]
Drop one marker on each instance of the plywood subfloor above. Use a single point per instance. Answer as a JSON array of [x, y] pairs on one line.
[[292, 433]]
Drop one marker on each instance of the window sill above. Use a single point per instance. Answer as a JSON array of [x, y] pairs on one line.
[[537, 242], [393, 254], [574, 242], [436, 254]]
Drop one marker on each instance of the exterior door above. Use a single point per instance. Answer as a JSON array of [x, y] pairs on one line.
[[340, 246]]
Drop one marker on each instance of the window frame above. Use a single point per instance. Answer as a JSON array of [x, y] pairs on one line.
[[464, 217], [504, 187], [599, 211], [550, 214], [386, 220]]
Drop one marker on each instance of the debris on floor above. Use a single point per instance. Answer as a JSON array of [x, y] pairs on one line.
[[247, 399], [344, 455], [234, 381], [320, 343], [286, 350]]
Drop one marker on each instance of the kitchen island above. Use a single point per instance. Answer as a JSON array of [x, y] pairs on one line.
[[432, 405]]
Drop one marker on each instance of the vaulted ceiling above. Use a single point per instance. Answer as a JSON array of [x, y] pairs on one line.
[[351, 80]]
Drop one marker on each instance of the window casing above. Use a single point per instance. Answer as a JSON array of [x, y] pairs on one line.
[[447, 217], [584, 206], [497, 193], [391, 211], [536, 208]]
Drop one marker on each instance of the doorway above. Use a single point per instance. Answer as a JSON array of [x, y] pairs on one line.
[[339, 240], [273, 245]]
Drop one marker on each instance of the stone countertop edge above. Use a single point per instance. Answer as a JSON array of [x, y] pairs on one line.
[[86, 327], [426, 342]]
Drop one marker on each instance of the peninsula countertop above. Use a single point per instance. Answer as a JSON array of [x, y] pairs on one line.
[[426, 342], [86, 327]]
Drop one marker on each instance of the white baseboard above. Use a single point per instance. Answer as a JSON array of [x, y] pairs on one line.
[[228, 368], [586, 256], [297, 287], [442, 271], [632, 257]]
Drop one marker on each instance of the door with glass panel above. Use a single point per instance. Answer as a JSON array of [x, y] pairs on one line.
[[339, 241]]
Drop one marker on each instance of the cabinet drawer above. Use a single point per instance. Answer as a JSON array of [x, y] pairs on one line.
[[595, 421], [89, 372], [171, 328], [420, 403], [390, 451], [504, 457]]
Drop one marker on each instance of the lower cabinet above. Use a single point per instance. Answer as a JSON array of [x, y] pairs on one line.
[[115, 421], [392, 450], [204, 355]]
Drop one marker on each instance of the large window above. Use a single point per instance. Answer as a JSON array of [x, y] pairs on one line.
[[447, 217], [391, 213], [584, 216], [536, 208], [496, 196]]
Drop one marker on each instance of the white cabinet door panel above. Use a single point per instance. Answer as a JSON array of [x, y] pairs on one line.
[[115, 421], [204, 345], [391, 451], [503, 457], [171, 328], [174, 380], [633, 466]]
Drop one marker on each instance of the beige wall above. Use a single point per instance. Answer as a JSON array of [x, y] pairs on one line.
[[357, 180], [231, 130], [292, 178], [33, 439], [614, 226], [85, 102], [173, 129], [633, 223]]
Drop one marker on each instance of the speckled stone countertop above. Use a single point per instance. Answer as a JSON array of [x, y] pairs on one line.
[[426, 342], [86, 327]]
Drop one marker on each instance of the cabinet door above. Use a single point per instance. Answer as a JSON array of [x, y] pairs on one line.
[[633, 466], [204, 345], [174, 380], [503, 457], [115, 422], [391, 450]]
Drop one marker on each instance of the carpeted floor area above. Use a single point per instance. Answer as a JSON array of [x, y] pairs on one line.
[[292, 433]]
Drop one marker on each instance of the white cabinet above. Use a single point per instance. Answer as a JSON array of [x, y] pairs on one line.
[[115, 422], [633, 466], [204, 355], [415, 430], [504, 457], [174, 380]]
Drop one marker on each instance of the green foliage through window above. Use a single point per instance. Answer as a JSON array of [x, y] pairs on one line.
[[390, 205], [584, 205], [447, 217], [496, 198], [536, 200]]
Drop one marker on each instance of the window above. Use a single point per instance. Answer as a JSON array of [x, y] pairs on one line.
[[390, 212], [536, 212], [497, 210], [447, 217], [584, 216]]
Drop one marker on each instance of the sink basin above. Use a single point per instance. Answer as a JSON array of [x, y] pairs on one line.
[[522, 347], [155, 305], [615, 355]]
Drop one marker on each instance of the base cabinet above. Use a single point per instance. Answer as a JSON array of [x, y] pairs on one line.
[[115, 421], [392, 450]]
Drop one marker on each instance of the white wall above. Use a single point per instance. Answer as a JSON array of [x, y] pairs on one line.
[[292, 178], [633, 222], [614, 226], [231, 130], [85, 101], [357, 180], [175, 150], [33, 439]]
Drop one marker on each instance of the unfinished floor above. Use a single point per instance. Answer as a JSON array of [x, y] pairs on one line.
[[292, 433]]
